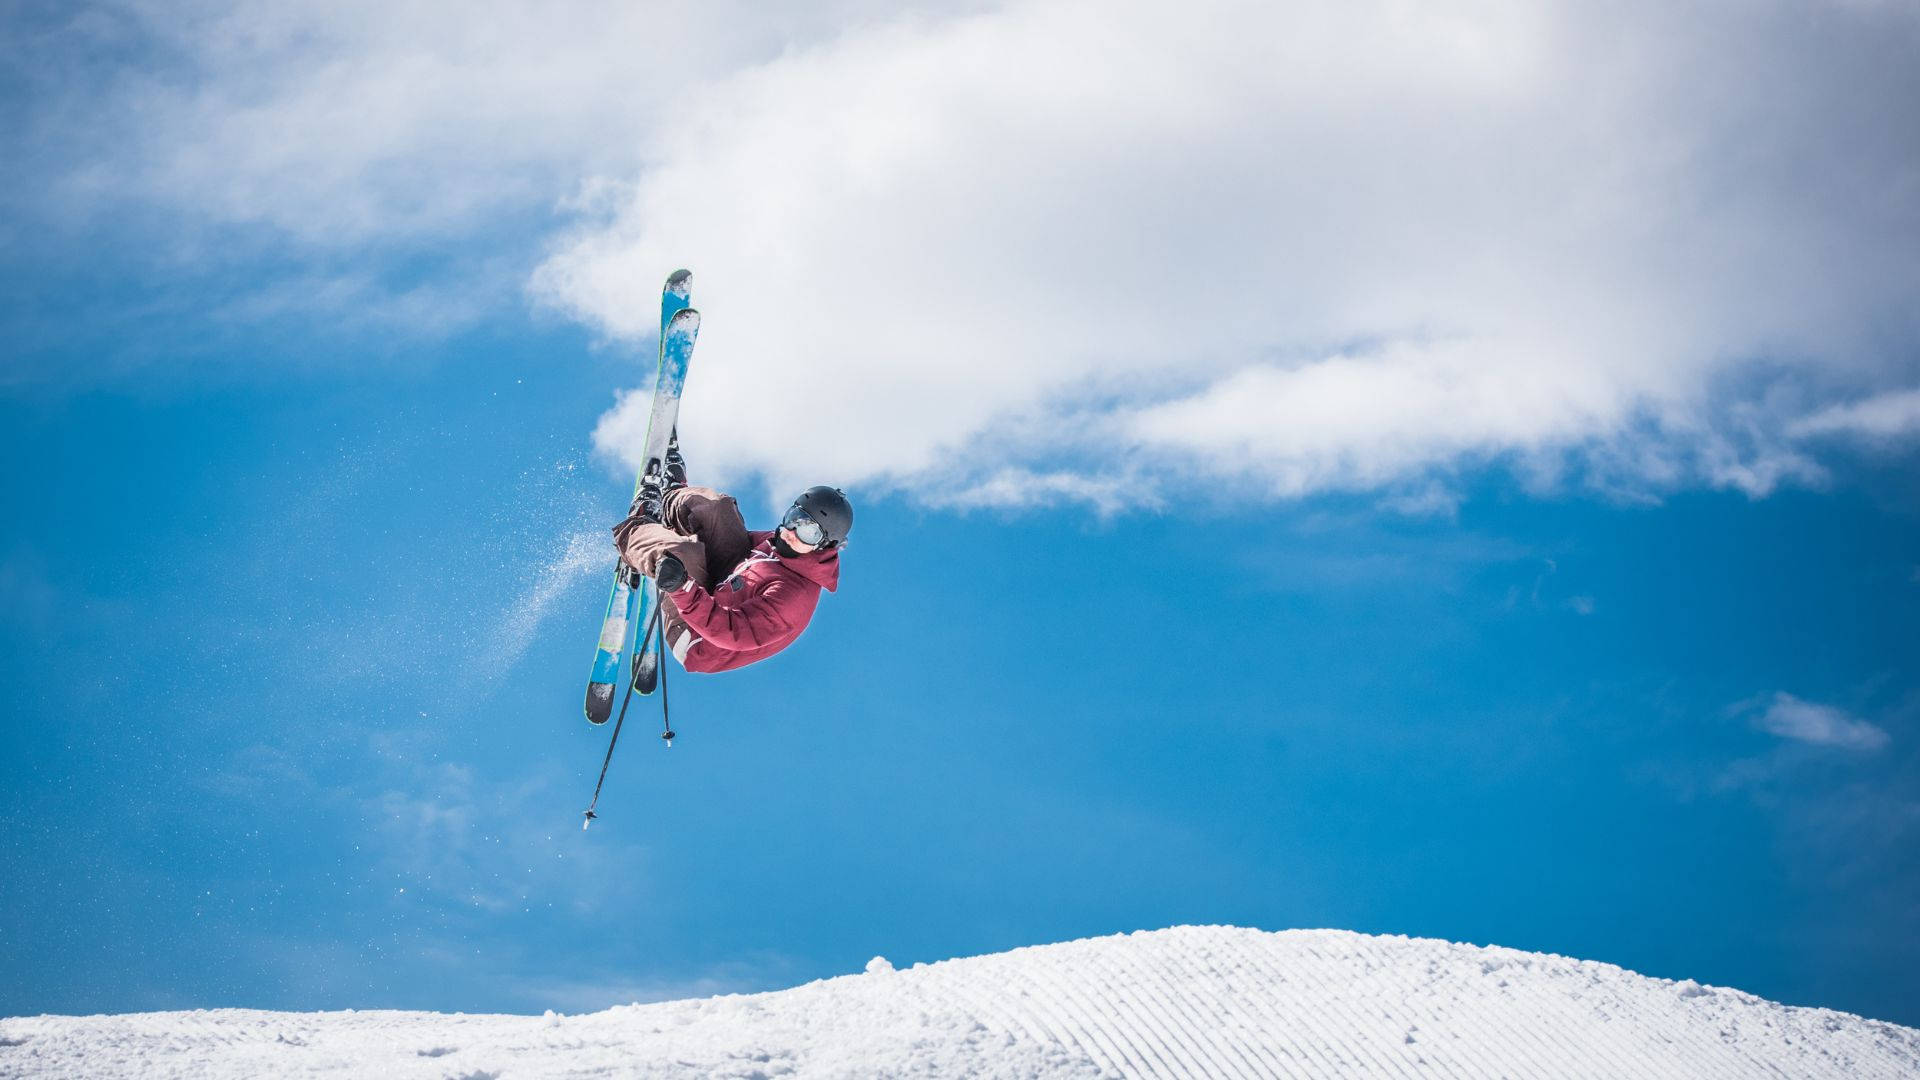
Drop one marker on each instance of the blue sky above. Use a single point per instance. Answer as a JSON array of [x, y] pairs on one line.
[[1477, 568]]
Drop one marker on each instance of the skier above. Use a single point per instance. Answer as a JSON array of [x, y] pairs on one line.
[[730, 597]]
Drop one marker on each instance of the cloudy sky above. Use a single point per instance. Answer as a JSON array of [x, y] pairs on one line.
[[1390, 384]]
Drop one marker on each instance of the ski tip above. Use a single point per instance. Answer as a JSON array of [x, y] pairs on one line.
[[680, 281], [599, 702], [684, 321]]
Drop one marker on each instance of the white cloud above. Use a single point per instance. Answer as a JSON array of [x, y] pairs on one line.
[[1066, 250], [1889, 415], [1015, 488], [1315, 247], [341, 122], [1822, 725], [1363, 421]]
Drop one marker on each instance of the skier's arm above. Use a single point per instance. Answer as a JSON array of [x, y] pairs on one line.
[[756, 624]]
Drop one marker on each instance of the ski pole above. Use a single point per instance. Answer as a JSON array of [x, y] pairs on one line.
[[615, 741], [660, 620]]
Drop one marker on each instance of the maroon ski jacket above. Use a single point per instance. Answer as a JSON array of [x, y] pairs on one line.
[[758, 610]]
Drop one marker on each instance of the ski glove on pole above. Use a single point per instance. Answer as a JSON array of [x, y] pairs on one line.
[[671, 575]]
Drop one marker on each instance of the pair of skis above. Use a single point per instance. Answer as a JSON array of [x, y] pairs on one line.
[[631, 608]]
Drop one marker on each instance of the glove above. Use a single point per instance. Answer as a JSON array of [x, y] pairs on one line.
[[670, 575]]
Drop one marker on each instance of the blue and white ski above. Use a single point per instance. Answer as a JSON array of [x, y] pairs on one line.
[[629, 608]]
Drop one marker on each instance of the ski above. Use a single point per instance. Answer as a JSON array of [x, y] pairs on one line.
[[646, 660], [628, 607]]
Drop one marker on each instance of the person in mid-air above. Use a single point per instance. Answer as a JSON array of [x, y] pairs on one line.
[[730, 597]]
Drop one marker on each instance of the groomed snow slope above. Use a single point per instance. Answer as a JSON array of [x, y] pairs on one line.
[[1191, 1001]]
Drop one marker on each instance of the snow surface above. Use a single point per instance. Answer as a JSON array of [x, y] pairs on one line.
[[1190, 1001]]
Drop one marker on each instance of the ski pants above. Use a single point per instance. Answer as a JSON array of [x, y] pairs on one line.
[[700, 527]]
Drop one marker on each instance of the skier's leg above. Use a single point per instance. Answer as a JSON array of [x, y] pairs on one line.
[[683, 507], [643, 544], [715, 520]]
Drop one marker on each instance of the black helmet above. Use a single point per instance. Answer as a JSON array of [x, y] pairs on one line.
[[826, 507]]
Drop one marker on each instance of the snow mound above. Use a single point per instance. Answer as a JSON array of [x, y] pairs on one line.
[[1190, 1001]]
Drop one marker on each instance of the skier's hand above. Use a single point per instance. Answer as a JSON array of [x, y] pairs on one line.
[[670, 575]]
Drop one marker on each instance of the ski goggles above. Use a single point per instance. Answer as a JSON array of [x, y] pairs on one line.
[[805, 529]]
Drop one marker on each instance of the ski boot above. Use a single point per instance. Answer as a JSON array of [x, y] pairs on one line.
[[676, 466], [672, 473]]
